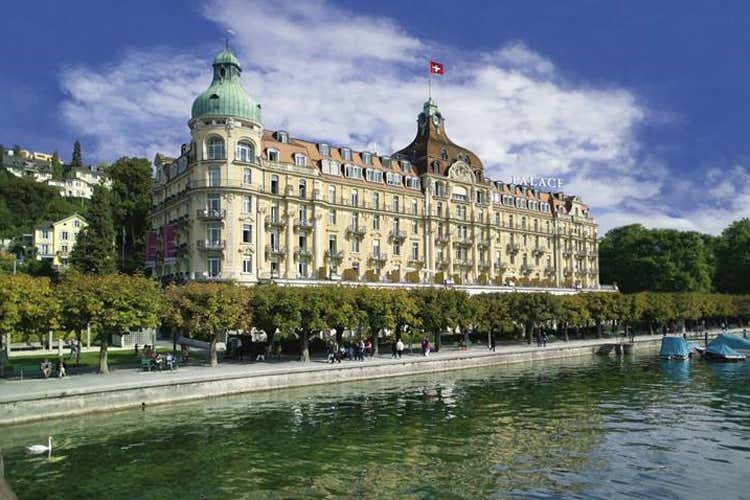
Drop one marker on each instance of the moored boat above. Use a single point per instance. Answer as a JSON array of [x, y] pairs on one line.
[[674, 348], [721, 352]]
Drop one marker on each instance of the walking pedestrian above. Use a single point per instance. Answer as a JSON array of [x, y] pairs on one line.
[[399, 348], [394, 351]]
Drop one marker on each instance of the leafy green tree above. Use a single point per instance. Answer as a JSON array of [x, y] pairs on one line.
[[600, 309], [340, 312], [493, 313], [660, 260], [377, 312], [2, 155], [532, 310], [733, 258], [17, 151], [276, 311], [405, 311], [94, 251], [125, 303], [131, 205], [207, 311], [438, 310], [572, 313], [28, 308], [78, 296], [655, 309], [312, 309]]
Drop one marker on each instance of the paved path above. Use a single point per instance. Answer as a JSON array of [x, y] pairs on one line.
[[17, 390]]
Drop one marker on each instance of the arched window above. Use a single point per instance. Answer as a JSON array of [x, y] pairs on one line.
[[245, 152], [215, 149], [443, 154]]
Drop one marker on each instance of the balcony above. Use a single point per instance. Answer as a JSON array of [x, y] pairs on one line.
[[568, 271], [441, 240], [211, 244], [302, 254], [211, 214], [275, 250], [397, 236], [483, 243], [275, 222], [303, 226], [463, 263], [501, 267], [379, 259], [464, 242], [484, 266], [567, 252], [537, 251], [525, 269], [357, 232], [415, 263], [442, 263], [334, 255], [513, 248], [549, 271]]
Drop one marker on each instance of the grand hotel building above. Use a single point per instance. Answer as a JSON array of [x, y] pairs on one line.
[[247, 204]]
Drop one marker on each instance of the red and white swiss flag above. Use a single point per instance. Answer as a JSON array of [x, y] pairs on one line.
[[436, 68]]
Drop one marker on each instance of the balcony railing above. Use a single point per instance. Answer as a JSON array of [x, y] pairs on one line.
[[537, 251], [463, 263], [525, 269], [442, 262], [441, 239], [568, 271], [379, 258], [356, 232], [567, 252], [416, 263], [275, 222], [549, 270], [501, 266], [464, 242], [303, 225], [211, 213], [513, 248], [276, 250], [211, 244], [397, 236], [334, 255], [303, 254], [483, 243], [485, 266]]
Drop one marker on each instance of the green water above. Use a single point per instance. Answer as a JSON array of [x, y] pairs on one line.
[[586, 427]]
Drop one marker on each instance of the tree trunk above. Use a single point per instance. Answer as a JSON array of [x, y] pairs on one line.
[[305, 347], [567, 338], [269, 347], [599, 329], [466, 338], [437, 341], [212, 354], [103, 365], [339, 334], [375, 348], [529, 332]]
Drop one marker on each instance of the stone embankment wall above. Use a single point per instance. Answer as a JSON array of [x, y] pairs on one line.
[[81, 401]]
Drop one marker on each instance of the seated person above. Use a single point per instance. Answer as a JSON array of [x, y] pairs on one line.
[[46, 368], [61, 369], [170, 361]]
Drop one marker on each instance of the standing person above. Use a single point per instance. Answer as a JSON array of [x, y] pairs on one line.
[[424, 346], [78, 352], [399, 348], [72, 349], [135, 348], [394, 350], [744, 333], [492, 342], [544, 339], [61, 368]]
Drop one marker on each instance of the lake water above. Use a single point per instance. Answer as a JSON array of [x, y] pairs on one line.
[[585, 427]]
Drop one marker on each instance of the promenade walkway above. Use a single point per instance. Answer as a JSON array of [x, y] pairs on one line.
[[129, 378]]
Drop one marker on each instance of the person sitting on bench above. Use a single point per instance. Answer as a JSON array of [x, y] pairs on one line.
[[46, 368]]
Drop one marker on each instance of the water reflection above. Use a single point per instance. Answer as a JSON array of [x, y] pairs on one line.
[[581, 427]]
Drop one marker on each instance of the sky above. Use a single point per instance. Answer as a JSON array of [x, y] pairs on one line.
[[640, 107]]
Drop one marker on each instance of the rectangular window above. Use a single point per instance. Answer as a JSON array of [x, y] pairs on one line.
[[346, 154], [214, 233], [413, 183], [415, 251], [396, 204], [373, 175], [247, 264], [64, 235], [300, 160], [76, 223], [214, 203], [415, 226], [45, 234], [331, 194], [393, 179], [355, 245], [353, 171], [247, 176], [247, 204], [214, 267], [64, 248], [332, 243], [324, 149], [331, 167], [247, 233], [376, 200], [302, 188], [273, 155], [396, 249], [376, 222], [355, 198], [214, 177], [332, 216], [376, 248], [274, 184]]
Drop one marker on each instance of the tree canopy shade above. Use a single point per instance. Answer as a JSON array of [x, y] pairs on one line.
[[659, 260], [207, 311], [733, 258], [94, 251], [131, 204], [76, 159]]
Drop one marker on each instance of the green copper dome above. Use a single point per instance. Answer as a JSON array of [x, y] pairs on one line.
[[226, 96]]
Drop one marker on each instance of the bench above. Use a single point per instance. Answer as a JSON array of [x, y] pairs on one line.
[[25, 370], [146, 364]]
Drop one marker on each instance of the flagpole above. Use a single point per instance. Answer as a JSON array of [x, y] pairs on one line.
[[429, 82]]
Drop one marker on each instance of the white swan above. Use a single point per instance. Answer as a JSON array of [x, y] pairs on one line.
[[36, 449]]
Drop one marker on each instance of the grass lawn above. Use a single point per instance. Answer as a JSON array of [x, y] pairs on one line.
[[88, 359]]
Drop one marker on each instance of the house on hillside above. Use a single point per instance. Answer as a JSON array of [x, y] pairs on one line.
[[54, 241]]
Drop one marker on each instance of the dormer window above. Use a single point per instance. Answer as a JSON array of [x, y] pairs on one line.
[[346, 154], [367, 158], [406, 166], [300, 160], [282, 137], [386, 161], [443, 154], [273, 154], [324, 149]]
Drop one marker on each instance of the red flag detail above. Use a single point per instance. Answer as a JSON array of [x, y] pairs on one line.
[[436, 68]]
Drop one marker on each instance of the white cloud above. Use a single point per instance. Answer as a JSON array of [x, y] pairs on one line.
[[323, 72]]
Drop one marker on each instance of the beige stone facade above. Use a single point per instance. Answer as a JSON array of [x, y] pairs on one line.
[[253, 205]]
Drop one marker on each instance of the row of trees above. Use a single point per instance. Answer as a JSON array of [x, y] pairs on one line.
[[108, 304], [667, 260]]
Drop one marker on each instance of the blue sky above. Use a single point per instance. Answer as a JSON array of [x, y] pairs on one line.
[[639, 106]]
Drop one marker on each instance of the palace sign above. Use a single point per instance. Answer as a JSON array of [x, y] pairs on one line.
[[537, 181]]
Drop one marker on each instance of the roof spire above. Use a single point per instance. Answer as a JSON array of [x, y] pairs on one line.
[[229, 32]]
